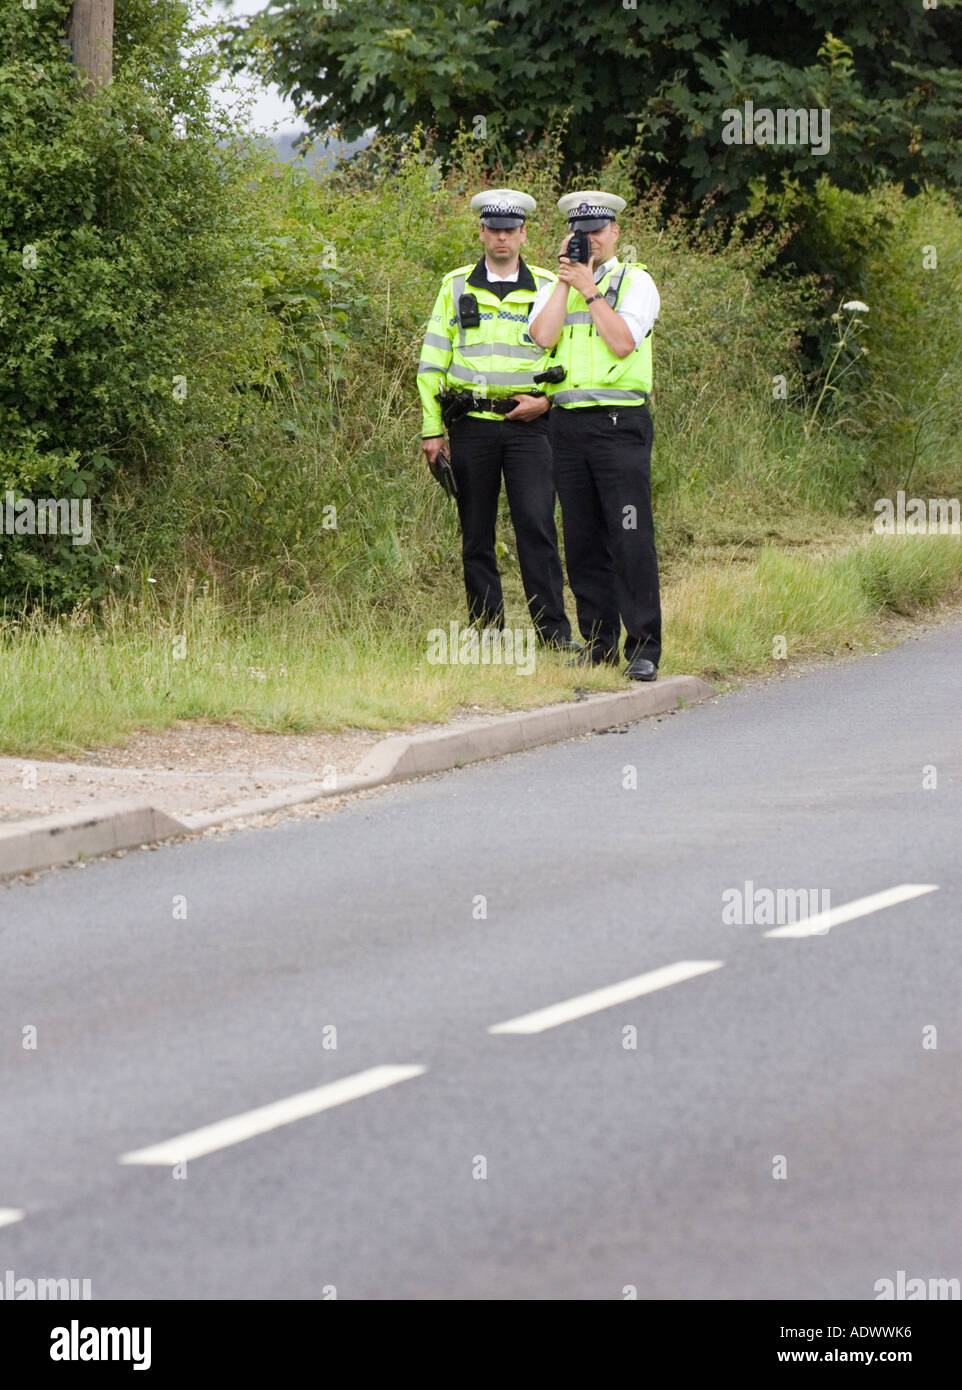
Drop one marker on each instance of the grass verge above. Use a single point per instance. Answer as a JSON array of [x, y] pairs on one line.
[[83, 681]]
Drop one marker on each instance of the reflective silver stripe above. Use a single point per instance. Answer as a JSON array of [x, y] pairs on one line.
[[436, 341], [602, 397], [430, 367], [502, 350], [581, 316], [481, 379], [457, 290], [614, 289]]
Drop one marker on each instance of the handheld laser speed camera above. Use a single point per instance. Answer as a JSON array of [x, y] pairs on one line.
[[579, 248]]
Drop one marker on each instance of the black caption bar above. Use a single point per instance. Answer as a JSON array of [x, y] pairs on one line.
[[164, 1339]]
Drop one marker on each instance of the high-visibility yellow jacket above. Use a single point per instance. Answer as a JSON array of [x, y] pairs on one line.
[[594, 374], [496, 359]]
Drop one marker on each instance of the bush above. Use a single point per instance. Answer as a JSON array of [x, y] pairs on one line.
[[127, 313]]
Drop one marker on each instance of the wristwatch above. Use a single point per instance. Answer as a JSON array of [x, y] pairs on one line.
[[593, 298]]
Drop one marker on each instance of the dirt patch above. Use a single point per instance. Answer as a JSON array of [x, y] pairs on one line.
[[188, 768], [202, 746], [185, 769]]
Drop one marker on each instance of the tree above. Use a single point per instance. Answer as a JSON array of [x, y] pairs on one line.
[[92, 38], [639, 73]]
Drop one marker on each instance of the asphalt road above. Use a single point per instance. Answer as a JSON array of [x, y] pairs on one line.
[[786, 1124]]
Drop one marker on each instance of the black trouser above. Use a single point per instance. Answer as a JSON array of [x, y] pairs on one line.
[[481, 451], [602, 461]]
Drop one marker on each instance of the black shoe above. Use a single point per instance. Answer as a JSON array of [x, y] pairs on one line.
[[594, 656], [641, 669], [561, 644]]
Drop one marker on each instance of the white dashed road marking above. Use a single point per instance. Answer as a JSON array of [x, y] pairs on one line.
[[9, 1215], [604, 998], [824, 921], [267, 1117]]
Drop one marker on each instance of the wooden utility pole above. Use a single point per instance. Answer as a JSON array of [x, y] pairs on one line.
[[91, 34]]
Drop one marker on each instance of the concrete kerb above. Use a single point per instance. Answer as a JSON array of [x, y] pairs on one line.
[[395, 758], [60, 839], [49, 840]]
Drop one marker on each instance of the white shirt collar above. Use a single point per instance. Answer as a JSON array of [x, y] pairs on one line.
[[602, 270], [492, 275]]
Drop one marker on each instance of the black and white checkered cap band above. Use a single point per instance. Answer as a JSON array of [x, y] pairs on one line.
[[501, 210], [591, 210]]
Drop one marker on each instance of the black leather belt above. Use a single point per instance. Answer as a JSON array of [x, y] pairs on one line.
[[501, 405]]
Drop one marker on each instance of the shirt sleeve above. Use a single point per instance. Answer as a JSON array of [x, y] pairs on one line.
[[639, 305], [433, 367], [540, 300]]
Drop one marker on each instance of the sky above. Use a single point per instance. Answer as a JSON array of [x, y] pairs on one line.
[[269, 106]]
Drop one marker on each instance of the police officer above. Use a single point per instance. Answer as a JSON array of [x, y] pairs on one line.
[[598, 318], [477, 345]]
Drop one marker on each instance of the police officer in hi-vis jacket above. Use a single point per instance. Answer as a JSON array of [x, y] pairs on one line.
[[598, 320], [477, 346]]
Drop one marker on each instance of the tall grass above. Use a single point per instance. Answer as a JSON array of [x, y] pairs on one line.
[[725, 619]]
